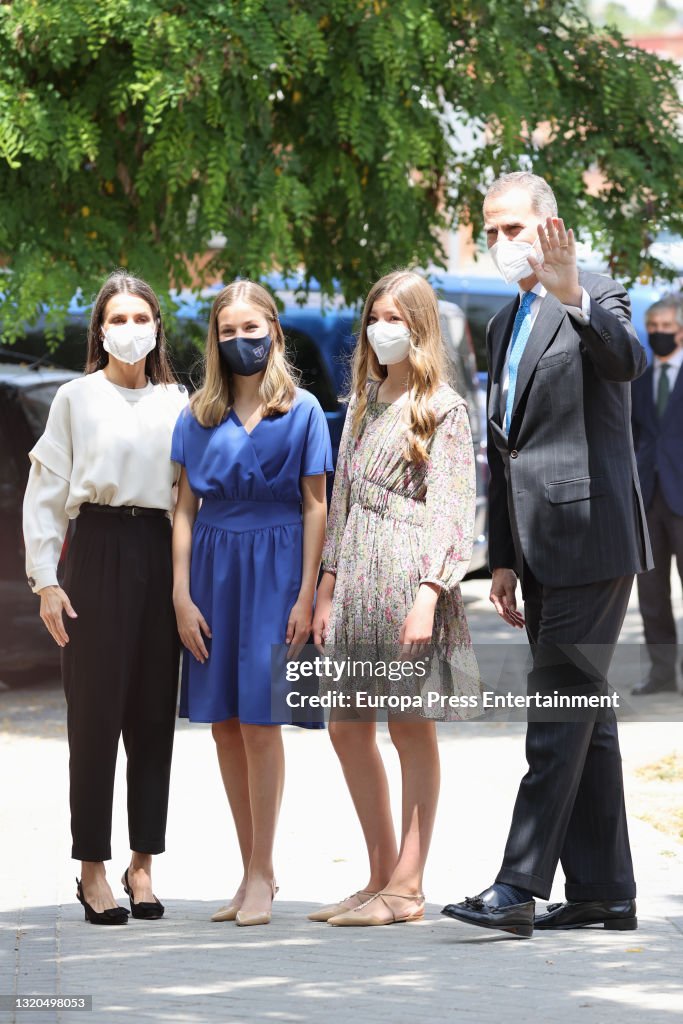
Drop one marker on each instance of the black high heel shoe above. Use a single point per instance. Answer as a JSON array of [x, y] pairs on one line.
[[147, 911], [112, 915]]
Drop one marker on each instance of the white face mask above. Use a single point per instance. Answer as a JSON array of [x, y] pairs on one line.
[[390, 342], [511, 259], [130, 342]]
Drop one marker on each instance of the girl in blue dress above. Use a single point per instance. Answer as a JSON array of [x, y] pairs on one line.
[[255, 450]]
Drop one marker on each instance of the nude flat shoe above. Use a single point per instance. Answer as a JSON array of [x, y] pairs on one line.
[[246, 920], [363, 917], [325, 913], [226, 913]]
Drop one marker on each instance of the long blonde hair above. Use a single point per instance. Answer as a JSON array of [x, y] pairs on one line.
[[212, 403], [418, 305]]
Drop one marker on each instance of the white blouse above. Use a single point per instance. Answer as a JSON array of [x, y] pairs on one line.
[[102, 444]]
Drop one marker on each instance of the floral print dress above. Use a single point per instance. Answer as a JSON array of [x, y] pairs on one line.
[[395, 524]]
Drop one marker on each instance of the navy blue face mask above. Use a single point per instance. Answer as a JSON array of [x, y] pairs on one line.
[[245, 356]]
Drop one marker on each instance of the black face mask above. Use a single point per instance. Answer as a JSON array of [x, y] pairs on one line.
[[245, 356], [661, 342]]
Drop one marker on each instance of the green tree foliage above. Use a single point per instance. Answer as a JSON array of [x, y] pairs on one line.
[[314, 133]]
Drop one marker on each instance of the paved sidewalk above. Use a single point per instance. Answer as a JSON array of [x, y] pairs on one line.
[[184, 968]]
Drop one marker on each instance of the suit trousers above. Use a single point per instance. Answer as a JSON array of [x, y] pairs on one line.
[[570, 805], [654, 590], [120, 675]]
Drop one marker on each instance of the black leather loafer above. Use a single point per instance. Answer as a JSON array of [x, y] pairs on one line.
[[615, 915], [485, 911]]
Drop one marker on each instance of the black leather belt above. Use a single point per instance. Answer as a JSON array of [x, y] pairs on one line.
[[122, 510]]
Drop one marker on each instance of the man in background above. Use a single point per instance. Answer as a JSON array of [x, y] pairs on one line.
[[657, 417]]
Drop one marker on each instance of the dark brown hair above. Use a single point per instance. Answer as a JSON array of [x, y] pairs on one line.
[[120, 282]]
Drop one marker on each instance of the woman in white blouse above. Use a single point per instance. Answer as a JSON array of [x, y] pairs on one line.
[[105, 459]]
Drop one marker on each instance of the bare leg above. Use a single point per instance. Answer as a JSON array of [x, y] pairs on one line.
[[96, 889], [356, 747], [266, 773], [232, 761], [140, 877], [420, 775]]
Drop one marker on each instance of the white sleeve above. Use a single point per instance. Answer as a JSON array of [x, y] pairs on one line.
[[45, 518], [581, 314], [45, 525], [55, 448]]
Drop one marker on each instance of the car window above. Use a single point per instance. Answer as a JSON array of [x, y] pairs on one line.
[[186, 339], [70, 351], [36, 402], [478, 309], [462, 364], [303, 353], [453, 331]]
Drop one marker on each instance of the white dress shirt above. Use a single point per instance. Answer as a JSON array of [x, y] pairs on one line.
[[581, 314], [674, 364]]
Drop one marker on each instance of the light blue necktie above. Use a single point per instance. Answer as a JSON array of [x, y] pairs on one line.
[[521, 329]]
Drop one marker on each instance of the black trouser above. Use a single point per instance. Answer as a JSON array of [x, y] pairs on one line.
[[654, 590], [120, 674], [570, 805]]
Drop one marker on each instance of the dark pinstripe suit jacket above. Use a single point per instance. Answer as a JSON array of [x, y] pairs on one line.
[[564, 493]]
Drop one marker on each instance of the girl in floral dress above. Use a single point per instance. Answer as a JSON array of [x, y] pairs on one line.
[[399, 540]]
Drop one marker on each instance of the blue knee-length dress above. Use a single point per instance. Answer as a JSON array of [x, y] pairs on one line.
[[247, 547]]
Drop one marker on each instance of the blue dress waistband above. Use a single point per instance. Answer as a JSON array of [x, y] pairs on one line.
[[240, 515]]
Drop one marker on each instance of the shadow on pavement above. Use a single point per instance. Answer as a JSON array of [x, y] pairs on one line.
[[184, 967]]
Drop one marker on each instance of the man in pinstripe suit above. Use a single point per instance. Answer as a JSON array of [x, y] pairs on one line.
[[566, 517]]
